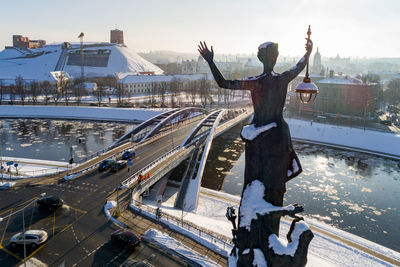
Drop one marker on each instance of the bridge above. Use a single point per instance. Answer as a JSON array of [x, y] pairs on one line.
[[195, 147]]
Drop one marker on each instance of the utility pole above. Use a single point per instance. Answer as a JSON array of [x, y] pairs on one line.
[[80, 36]]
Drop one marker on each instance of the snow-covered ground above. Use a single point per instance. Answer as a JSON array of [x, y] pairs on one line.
[[380, 143], [28, 168], [170, 244], [324, 250], [79, 113]]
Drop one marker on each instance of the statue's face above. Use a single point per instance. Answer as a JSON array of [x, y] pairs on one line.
[[268, 54]]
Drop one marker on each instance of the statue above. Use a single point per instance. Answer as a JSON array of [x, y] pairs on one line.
[[270, 162]]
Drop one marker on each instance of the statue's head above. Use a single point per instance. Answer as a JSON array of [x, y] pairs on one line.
[[268, 54]]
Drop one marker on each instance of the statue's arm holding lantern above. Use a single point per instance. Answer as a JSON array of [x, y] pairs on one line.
[[208, 56], [293, 72]]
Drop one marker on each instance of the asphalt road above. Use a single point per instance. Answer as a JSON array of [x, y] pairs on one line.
[[79, 232]]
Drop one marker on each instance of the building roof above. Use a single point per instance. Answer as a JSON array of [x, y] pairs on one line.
[[341, 80], [102, 59]]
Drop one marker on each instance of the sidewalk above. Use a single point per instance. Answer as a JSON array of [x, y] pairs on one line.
[[140, 225]]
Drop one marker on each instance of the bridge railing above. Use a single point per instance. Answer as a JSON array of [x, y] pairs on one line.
[[206, 234]]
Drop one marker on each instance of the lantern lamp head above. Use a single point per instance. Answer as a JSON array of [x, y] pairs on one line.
[[306, 91]]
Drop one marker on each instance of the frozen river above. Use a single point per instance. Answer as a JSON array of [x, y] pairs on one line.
[[53, 139], [355, 192]]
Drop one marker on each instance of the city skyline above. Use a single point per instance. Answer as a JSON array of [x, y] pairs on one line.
[[350, 29]]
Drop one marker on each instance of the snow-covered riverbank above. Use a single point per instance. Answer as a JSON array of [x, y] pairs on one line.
[[79, 113]]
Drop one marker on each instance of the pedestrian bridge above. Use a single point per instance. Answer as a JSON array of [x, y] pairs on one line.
[[195, 147]]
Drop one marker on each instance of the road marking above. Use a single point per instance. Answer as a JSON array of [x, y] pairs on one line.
[[5, 229], [11, 253], [39, 248], [88, 255], [54, 221]]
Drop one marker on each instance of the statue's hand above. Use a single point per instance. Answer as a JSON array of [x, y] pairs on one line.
[[309, 45], [205, 53], [297, 209]]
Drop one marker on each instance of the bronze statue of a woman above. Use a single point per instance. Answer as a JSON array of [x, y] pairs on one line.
[[270, 158]]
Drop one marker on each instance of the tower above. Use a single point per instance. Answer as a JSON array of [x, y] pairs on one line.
[[317, 66], [117, 36]]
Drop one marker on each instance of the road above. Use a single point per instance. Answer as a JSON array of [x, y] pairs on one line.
[[79, 232]]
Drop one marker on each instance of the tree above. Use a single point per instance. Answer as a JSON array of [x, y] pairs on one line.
[[100, 92], [162, 90], [152, 92], [78, 90], [174, 87], [119, 92], [46, 90], [20, 88], [2, 90], [34, 90], [392, 93], [204, 90]]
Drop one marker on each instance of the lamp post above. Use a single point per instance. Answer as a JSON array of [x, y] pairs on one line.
[[307, 90], [23, 221]]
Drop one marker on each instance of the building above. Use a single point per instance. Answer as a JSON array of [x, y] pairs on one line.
[[23, 42], [145, 84], [338, 95], [116, 37]]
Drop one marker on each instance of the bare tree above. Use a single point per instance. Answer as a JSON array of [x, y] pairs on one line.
[[78, 90], [119, 92], [20, 88], [34, 90], [191, 90], [174, 88], [100, 92], [162, 90], [12, 92], [2, 90], [204, 90], [152, 93], [46, 90]]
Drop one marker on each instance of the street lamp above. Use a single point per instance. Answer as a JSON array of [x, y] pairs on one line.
[[23, 221], [307, 90]]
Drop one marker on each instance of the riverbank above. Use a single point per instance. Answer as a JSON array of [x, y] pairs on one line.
[[79, 113], [356, 139]]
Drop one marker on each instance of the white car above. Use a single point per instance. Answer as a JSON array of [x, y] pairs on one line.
[[34, 238]]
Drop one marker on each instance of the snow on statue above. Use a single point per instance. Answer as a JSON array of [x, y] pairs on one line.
[[270, 162]]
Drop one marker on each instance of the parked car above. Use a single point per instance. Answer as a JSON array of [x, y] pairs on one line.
[[120, 164], [106, 164], [128, 154], [50, 202], [33, 238], [125, 237]]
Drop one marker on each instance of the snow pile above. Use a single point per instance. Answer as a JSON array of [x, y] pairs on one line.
[[281, 247], [73, 176], [109, 206], [6, 184], [33, 262], [259, 259], [249, 132], [170, 244], [253, 203], [81, 113]]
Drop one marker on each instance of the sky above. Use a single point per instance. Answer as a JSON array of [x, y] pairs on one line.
[[350, 28]]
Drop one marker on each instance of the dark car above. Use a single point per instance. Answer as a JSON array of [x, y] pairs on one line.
[[50, 202], [125, 237], [120, 164], [106, 164], [128, 154]]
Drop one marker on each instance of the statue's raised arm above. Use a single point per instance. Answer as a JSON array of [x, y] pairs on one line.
[[208, 56], [293, 72]]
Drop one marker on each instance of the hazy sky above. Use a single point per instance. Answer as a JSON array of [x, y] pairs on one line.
[[363, 28]]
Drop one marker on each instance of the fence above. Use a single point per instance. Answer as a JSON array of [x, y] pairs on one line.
[[203, 233]]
